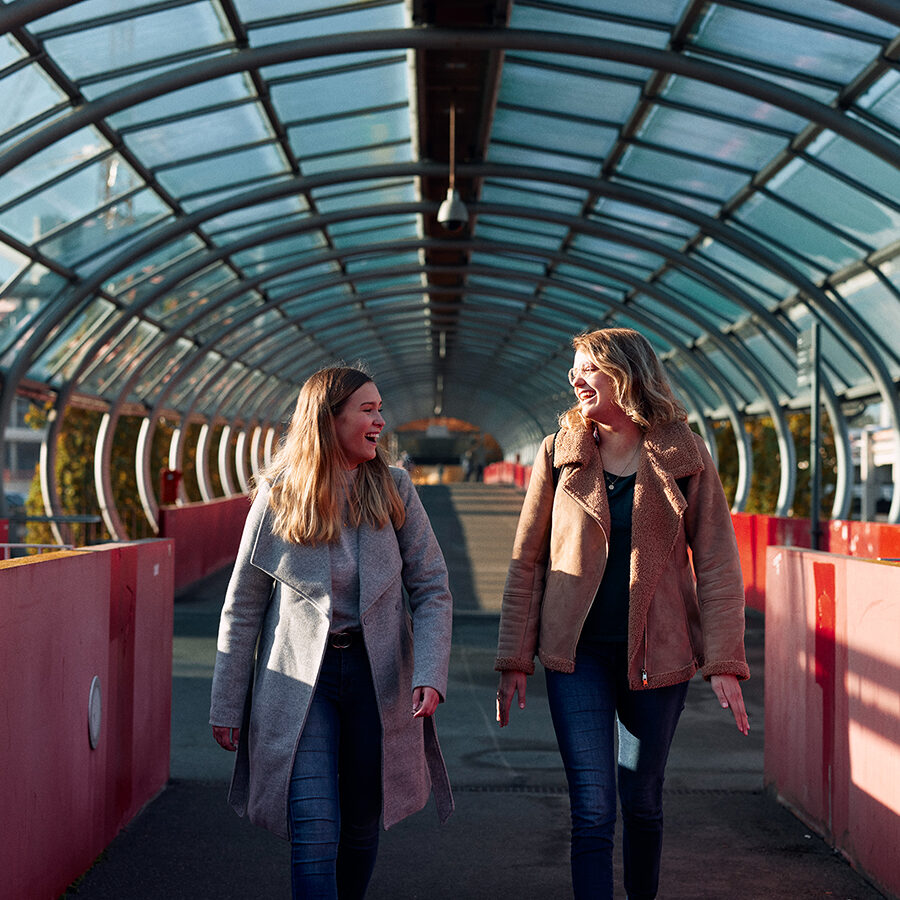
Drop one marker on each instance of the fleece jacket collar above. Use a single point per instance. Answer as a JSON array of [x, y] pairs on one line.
[[669, 453]]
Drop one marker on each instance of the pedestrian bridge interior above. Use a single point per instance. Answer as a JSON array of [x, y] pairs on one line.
[[204, 201]]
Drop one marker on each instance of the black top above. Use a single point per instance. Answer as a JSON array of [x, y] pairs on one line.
[[608, 616]]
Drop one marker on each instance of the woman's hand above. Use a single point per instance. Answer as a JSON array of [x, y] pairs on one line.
[[424, 702], [728, 690], [227, 737], [511, 683]]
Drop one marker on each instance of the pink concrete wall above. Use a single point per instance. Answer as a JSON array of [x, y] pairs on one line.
[[206, 535], [65, 618], [832, 704]]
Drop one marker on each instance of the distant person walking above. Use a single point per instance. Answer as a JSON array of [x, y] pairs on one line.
[[601, 587], [331, 713]]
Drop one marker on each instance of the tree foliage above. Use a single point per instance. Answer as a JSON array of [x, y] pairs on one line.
[[766, 479]]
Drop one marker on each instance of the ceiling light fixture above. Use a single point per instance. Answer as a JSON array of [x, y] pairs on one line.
[[453, 213]]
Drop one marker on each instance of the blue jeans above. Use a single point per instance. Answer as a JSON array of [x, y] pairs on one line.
[[585, 706], [335, 792]]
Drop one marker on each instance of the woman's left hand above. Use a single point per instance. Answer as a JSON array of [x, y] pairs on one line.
[[425, 702], [728, 691]]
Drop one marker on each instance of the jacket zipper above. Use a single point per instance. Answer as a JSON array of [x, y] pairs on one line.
[[644, 679]]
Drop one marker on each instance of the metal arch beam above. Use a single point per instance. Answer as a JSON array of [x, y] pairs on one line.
[[632, 196], [214, 374], [641, 287], [79, 298], [102, 475], [224, 473], [888, 10], [745, 457], [201, 463], [694, 403], [787, 451], [574, 262], [592, 297], [412, 308], [547, 281], [434, 38], [844, 486], [240, 460], [786, 447], [20, 12], [678, 259], [594, 228], [399, 378], [142, 472], [742, 439]]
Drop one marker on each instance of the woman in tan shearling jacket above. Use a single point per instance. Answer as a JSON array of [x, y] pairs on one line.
[[603, 589]]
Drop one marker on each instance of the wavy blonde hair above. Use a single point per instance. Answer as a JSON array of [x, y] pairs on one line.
[[309, 470], [639, 382]]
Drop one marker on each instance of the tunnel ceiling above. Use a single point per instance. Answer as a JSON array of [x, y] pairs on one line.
[[202, 202]]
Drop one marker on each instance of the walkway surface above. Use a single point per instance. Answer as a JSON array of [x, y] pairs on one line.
[[726, 839]]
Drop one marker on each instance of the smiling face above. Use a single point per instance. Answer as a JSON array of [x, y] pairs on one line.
[[594, 391], [358, 425]]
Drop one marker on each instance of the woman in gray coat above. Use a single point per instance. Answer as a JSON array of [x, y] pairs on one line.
[[326, 677]]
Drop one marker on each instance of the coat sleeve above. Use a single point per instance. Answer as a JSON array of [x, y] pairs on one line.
[[524, 590], [717, 566], [427, 585], [246, 599]]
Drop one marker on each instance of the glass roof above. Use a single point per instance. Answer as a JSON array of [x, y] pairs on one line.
[[201, 192]]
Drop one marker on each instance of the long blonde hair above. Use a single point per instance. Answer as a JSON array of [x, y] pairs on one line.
[[309, 471], [639, 383]]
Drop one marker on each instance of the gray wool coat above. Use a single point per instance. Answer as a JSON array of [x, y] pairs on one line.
[[280, 594]]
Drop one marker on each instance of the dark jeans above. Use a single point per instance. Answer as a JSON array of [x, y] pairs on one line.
[[335, 793], [585, 706]]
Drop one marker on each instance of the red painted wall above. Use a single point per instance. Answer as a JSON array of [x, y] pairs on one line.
[[65, 618], [832, 703], [206, 535]]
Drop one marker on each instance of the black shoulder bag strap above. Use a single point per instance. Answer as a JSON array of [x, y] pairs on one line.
[[552, 457]]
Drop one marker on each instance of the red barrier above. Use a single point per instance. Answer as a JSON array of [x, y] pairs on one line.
[[832, 705], [66, 619], [206, 535]]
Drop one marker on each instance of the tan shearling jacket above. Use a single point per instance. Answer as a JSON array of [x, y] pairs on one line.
[[682, 617]]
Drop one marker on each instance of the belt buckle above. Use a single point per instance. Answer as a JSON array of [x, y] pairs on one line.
[[342, 640]]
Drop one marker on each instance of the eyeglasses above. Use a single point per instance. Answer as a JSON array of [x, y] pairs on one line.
[[583, 371]]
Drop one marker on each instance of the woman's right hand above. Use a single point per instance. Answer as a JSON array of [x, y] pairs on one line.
[[511, 683], [227, 737]]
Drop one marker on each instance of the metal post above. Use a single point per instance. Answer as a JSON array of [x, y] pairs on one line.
[[815, 439]]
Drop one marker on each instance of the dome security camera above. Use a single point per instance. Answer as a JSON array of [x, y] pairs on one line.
[[453, 214]]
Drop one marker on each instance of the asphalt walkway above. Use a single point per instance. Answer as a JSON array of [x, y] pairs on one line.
[[725, 837]]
